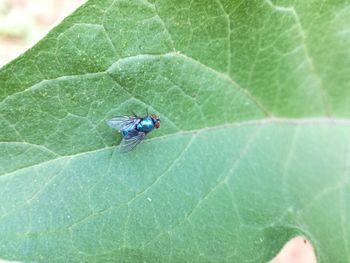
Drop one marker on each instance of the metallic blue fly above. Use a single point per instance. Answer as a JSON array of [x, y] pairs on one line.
[[133, 129]]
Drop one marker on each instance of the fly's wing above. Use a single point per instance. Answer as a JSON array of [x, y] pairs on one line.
[[128, 144], [119, 122]]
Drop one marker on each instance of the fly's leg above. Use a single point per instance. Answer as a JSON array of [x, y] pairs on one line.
[[134, 114]]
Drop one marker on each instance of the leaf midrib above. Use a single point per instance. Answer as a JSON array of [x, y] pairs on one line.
[[264, 121]]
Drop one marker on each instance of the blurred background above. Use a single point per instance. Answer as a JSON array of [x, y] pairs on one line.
[[25, 22]]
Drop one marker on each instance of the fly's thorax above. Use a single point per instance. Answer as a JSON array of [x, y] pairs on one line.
[[145, 125]]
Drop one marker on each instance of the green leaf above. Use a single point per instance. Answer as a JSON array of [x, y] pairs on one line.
[[253, 149]]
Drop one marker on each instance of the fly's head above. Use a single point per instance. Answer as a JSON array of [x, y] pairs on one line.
[[156, 120]]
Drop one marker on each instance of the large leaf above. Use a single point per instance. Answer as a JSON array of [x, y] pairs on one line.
[[253, 149]]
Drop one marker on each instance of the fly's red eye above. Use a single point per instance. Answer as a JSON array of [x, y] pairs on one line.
[[154, 116], [157, 124]]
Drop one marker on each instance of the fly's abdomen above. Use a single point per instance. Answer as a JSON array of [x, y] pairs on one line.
[[127, 130]]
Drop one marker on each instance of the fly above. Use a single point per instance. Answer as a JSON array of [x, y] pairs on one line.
[[133, 129]]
